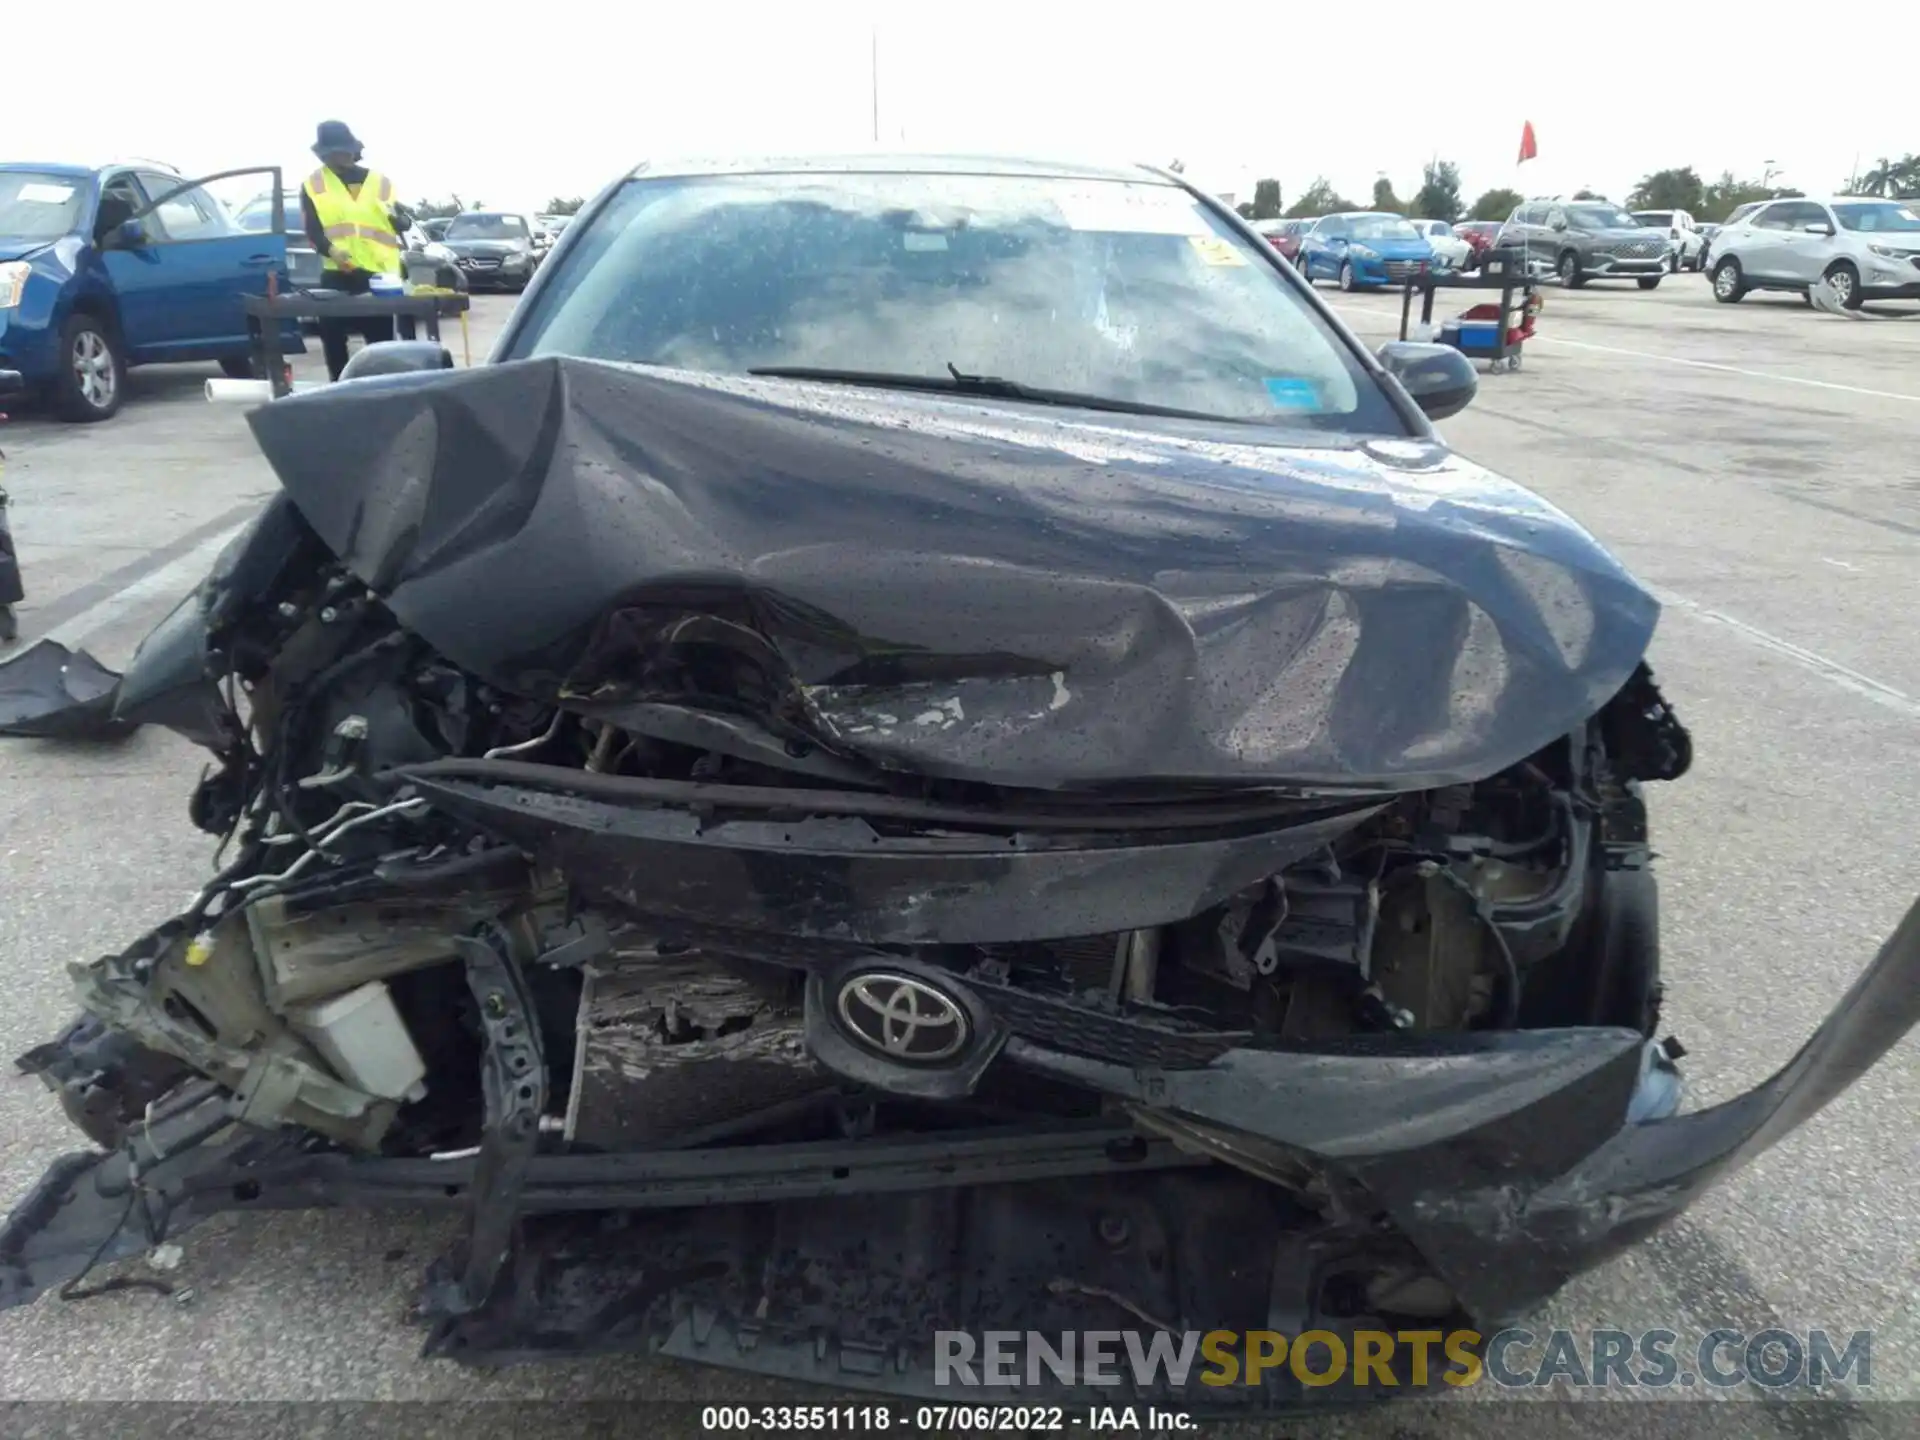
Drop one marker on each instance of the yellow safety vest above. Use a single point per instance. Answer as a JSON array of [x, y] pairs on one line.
[[357, 226]]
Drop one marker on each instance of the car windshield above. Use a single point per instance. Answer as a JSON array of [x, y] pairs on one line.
[[1882, 217], [1654, 217], [1130, 292], [1380, 227], [36, 206], [486, 227], [1600, 217]]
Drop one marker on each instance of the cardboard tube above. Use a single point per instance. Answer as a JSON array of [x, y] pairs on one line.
[[228, 392], [248, 392]]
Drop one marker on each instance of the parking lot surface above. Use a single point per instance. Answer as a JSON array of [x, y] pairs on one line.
[[1757, 464]]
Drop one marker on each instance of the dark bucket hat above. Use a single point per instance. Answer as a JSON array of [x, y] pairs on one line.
[[334, 136]]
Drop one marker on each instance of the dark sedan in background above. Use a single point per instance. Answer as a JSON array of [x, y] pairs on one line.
[[494, 249], [1284, 235]]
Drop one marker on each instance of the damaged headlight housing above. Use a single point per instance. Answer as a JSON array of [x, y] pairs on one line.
[[13, 282]]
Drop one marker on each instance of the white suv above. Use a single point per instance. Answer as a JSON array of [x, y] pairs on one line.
[[1862, 247]]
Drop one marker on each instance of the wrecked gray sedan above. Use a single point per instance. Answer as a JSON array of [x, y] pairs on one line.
[[928, 748]]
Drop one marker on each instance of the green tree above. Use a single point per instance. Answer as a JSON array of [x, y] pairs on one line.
[[436, 209], [1385, 199], [1681, 189], [1266, 200], [1319, 198], [1893, 178], [1496, 204], [1439, 194], [1720, 197], [1247, 210], [1584, 194], [564, 205]]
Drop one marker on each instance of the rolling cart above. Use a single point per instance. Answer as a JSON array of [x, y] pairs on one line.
[[1496, 331]]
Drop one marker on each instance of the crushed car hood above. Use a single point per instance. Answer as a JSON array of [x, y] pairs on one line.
[[996, 592]]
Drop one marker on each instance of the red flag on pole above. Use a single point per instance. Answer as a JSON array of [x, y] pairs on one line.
[[1529, 147]]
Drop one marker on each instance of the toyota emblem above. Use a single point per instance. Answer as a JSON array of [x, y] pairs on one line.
[[903, 1018]]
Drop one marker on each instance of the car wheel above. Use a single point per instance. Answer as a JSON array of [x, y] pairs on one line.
[[1569, 269], [1844, 281], [237, 369], [1673, 263], [1729, 286], [1346, 276], [1649, 282], [93, 376]]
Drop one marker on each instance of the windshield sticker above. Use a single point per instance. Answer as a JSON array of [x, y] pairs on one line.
[[43, 194], [1293, 392], [1216, 251], [1131, 210]]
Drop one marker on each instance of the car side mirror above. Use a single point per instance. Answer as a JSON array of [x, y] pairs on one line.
[[397, 357], [1438, 378], [1819, 227], [131, 234]]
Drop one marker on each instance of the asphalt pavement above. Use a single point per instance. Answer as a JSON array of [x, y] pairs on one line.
[[1756, 464]]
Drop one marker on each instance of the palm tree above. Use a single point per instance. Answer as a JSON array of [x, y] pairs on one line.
[[1892, 177]]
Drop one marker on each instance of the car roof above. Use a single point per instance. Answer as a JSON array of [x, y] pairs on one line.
[[78, 172], [881, 162]]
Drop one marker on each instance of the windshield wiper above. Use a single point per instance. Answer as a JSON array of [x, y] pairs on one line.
[[957, 382]]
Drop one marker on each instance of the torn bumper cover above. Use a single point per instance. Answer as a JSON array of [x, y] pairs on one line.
[[48, 692], [1503, 1158]]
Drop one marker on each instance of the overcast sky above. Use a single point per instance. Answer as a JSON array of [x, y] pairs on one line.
[[537, 99]]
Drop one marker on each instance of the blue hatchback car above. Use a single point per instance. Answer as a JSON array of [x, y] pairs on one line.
[[107, 267], [1362, 248]]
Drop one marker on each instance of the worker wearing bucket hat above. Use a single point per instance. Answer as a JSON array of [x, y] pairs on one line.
[[353, 221]]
